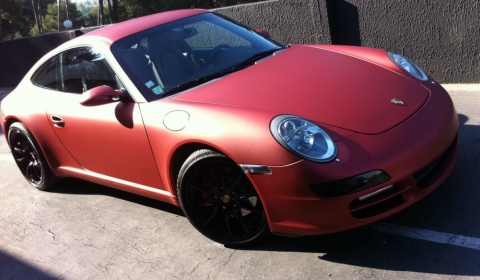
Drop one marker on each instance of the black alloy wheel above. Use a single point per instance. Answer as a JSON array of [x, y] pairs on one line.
[[219, 200], [29, 158]]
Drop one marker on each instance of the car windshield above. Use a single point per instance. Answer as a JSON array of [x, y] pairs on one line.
[[185, 53]]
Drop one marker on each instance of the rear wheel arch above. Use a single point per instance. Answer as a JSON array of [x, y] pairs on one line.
[[50, 158], [9, 122], [29, 156]]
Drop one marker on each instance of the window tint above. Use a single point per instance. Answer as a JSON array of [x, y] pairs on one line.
[[75, 71], [47, 75], [84, 69]]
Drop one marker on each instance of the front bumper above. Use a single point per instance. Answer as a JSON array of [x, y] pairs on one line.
[[418, 155]]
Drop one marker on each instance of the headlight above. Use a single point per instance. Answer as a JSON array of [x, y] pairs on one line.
[[303, 138], [408, 66]]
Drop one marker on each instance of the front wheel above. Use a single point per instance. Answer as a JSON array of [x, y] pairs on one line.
[[29, 157], [219, 200]]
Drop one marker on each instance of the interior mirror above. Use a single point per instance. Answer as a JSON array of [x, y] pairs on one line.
[[263, 32], [101, 95]]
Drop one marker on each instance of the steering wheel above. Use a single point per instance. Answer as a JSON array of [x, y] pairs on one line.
[[216, 51]]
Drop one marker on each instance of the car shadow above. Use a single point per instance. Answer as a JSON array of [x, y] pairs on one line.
[[80, 187], [19, 269]]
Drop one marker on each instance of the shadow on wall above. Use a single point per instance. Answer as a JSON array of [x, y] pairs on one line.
[[344, 23]]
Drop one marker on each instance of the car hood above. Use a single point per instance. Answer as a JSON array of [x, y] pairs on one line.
[[320, 85]]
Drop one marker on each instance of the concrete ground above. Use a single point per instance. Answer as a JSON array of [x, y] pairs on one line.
[[86, 231]]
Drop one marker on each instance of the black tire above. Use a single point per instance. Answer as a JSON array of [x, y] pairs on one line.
[[29, 158], [219, 200]]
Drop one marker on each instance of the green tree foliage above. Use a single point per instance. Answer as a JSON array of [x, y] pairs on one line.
[[91, 16], [50, 20], [83, 8], [16, 19], [136, 8]]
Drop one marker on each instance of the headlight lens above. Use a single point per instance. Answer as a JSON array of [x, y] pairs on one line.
[[303, 138], [408, 66]]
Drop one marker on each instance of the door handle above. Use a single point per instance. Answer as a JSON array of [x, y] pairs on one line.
[[57, 121]]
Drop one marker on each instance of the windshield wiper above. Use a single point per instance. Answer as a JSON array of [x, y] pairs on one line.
[[254, 58], [199, 81], [247, 62]]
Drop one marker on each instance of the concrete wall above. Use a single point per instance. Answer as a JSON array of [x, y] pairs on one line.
[[288, 21], [442, 36]]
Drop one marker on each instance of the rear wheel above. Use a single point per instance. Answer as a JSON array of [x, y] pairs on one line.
[[29, 157], [219, 200]]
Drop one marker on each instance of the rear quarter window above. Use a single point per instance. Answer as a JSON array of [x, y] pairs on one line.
[[47, 75]]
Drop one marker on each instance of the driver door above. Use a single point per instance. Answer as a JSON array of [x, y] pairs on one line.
[[107, 139]]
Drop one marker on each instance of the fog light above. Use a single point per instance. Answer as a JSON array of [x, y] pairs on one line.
[[351, 185]]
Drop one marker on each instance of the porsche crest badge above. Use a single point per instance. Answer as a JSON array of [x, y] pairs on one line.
[[397, 102]]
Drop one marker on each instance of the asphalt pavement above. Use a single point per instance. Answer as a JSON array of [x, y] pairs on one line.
[[82, 230]]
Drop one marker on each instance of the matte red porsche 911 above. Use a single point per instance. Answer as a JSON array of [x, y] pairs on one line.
[[247, 136]]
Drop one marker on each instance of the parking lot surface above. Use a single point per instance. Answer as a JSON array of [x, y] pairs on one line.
[[82, 230]]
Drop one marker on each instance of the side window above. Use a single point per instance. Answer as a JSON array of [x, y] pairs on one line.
[[83, 69], [48, 75], [75, 71]]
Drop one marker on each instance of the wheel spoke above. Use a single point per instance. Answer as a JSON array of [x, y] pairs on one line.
[[20, 159], [32, 151], [204, 205], [244, 196], [29, 172], [38, 170], [237, 180], [241, 222], [222, 179], [189, 184], [19, 150], [210, 181], [227, 222], [214, 214]]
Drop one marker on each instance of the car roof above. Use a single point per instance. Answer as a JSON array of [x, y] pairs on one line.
[[120, 30]]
